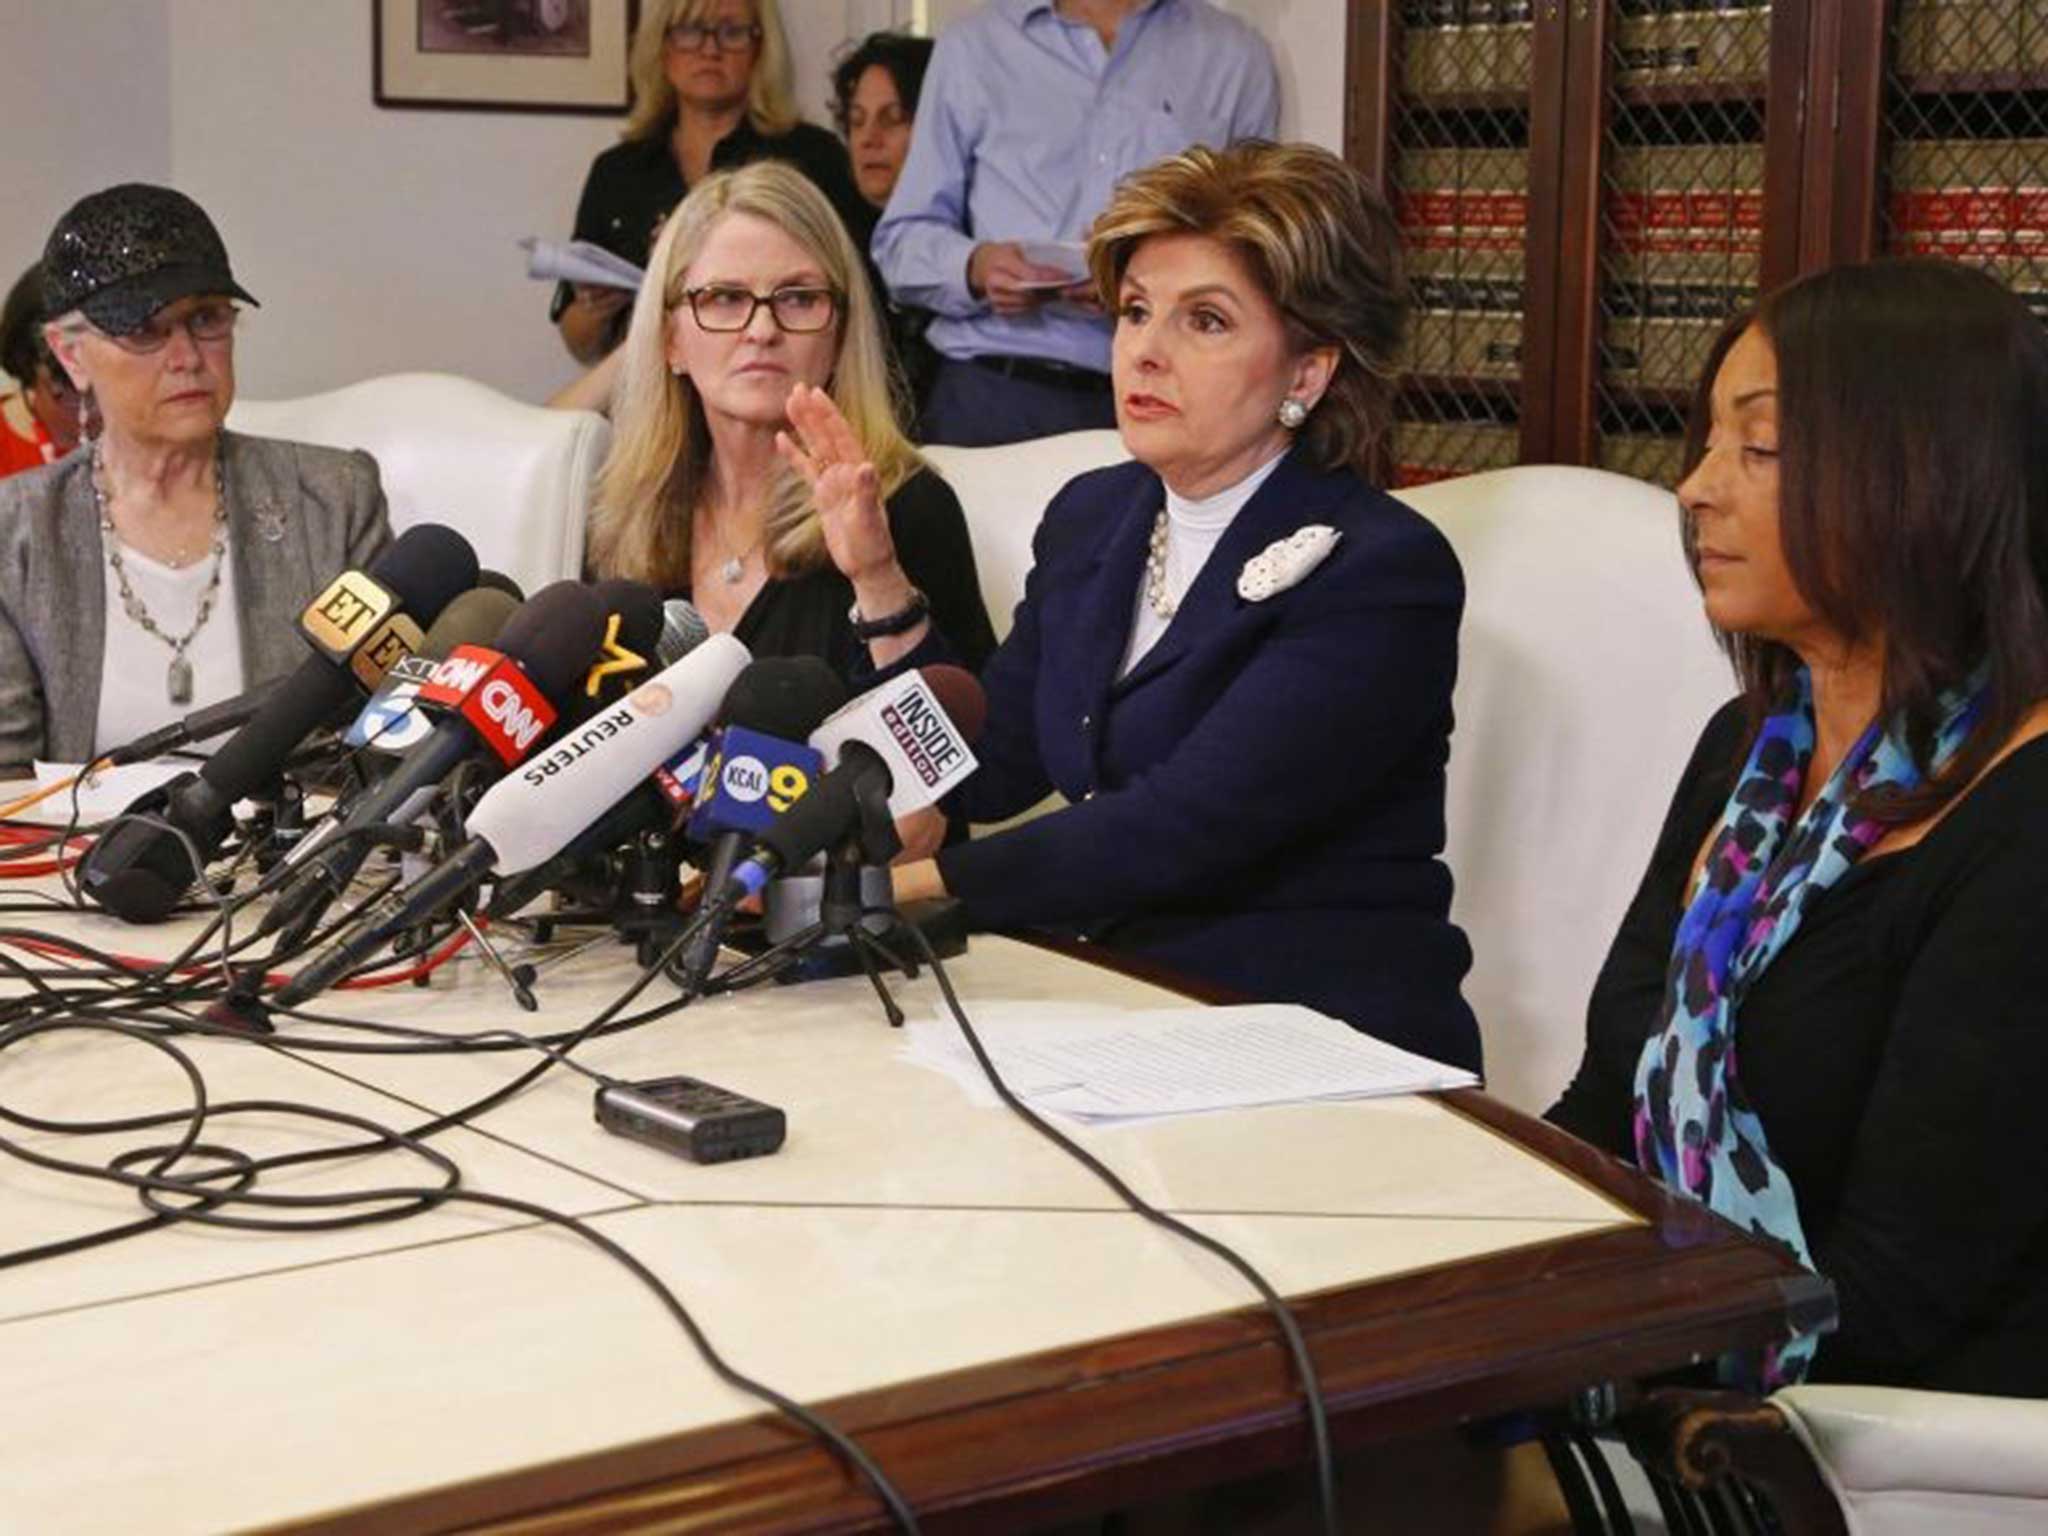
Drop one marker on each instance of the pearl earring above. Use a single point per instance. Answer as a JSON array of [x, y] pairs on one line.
[[1292, 413]]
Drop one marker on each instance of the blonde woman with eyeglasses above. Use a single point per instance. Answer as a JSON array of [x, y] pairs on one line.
[[756, 465], [712, 91], [160, 566]]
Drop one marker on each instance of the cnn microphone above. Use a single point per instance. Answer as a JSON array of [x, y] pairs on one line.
[[358, 627], [502, 699], [532, 814], [392, 723]]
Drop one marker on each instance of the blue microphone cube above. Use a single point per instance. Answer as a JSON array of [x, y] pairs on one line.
[[752, 779]]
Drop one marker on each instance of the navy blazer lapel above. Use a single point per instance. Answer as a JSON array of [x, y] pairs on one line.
[[1093, 645], [1292, 497]]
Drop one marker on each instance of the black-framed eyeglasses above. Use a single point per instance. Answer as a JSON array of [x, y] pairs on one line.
[[213, 321], [724, 307], [723, 36]]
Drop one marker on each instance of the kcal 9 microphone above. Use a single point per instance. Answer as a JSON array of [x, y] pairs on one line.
[[502, 699], [529, 816], [896, 749], [392, 723], [359, 627], [759, 767]]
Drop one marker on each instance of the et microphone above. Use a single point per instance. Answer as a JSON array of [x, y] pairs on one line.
[[359, 627], [531, 815]]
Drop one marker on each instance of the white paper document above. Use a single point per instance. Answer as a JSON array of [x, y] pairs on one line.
[[108, 792], [1107, 1065], [1067, 257], [578, 261]]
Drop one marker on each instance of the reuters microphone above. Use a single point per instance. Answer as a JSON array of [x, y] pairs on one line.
[[359, 627], [532, 814]]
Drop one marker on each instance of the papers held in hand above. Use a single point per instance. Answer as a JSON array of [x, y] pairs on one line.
[[579, 262], [1108, 1065]]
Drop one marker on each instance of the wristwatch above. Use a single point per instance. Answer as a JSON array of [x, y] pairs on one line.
[[906, 617]]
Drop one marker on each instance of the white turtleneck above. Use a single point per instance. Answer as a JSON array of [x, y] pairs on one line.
[[1193, 529]]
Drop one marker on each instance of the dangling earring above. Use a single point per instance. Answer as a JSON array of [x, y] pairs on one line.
[[1292, 414], [89, 423]]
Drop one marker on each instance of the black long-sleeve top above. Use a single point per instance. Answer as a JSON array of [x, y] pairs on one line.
[[807, 615], [1896, 1052]]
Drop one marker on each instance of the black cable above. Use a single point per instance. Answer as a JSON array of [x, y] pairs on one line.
[[1290, 1331]]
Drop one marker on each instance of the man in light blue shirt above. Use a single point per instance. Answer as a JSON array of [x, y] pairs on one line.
[[1031, 111]]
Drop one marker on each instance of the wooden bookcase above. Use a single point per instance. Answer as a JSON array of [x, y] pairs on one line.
[[1591, 187]]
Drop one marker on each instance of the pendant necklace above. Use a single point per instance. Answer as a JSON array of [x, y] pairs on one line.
[[178, 681]]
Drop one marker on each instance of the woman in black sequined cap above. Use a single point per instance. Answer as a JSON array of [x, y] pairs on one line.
[[159, 566]]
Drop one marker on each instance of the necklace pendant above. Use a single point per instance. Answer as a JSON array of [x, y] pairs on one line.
[[179, 682], [732, 571]]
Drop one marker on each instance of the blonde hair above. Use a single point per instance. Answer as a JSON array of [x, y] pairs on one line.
[[771, 89], [1320, 241], [661, 444]]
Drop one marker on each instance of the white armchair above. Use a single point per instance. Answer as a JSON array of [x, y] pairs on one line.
[[514, 479]]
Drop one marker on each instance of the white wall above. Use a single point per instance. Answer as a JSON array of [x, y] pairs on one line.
[[86, 103], [378, 240]]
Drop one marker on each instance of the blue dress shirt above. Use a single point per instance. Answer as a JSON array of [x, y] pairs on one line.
[[1023, 127]]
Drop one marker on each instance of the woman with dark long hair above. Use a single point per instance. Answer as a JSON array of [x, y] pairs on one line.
[[1823, 1016]]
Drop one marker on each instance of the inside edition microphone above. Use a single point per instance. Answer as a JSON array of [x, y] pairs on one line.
[[358, 627], [502, 699], [761, 766], [531, 815], [897, 748]]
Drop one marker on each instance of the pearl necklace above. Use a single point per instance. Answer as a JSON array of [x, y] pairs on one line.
[[1155, 569]]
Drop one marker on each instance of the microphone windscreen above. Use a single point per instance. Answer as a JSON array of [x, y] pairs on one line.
[[682, 630], [960, 694], [474, 618], [640, 616], [426, 568], [532, 813], [498, 581], [554, 636], [786, 696]]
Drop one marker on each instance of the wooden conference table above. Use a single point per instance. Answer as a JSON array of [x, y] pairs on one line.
[[1012, 1347]]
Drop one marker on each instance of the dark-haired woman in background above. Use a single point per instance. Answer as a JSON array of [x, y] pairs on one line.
[[39, 418], [874, 100], [1826, 1013]]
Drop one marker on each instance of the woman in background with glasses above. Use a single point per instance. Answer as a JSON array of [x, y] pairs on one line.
[[163, 569], [801, 529], [39, 418], [711, 91]]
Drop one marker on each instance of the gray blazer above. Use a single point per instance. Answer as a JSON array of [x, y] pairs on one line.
[[297, 517]]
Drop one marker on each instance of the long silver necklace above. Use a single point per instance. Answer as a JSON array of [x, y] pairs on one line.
[[178, 682]]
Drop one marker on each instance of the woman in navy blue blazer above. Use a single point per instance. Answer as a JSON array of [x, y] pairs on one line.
[[1234, 656]]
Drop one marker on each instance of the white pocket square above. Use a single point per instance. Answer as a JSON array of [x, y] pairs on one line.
[[1285, 561]]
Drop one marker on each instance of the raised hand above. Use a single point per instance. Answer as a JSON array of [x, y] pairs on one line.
[[847, 491]]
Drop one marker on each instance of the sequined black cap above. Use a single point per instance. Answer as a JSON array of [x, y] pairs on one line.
[[124, 253]]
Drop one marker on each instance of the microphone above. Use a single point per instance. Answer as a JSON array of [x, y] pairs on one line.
[[899, 747], [503, 699], [531, 815], [197, 726], [761, 767], [359, 628], [392, 722], [652, 805]]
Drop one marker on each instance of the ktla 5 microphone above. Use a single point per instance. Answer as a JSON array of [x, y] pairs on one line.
[[529, 816], [502, 699], [916, 725], [392, 723], [359, 627]]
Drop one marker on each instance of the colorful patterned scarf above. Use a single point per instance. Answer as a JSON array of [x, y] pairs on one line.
[[1693, 1128]]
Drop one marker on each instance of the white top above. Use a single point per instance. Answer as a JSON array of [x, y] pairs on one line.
[[1193, 529], [135, 679]]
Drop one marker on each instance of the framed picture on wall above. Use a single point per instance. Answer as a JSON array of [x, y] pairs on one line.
[[502, 55]]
